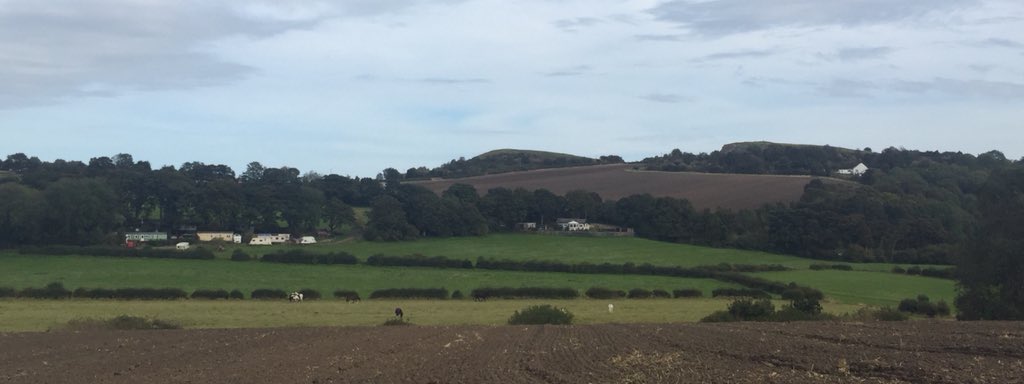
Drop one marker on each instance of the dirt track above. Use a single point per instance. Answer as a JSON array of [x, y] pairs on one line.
[[918, 352]]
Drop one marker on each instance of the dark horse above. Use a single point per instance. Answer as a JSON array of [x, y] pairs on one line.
[[398, 313]]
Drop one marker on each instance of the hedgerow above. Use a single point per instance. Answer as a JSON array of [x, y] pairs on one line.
[[198, 253], [541, 314], [604, 293], [410, 293], [524, 293], [418, 260]]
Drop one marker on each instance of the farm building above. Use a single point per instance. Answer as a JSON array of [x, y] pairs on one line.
[[860, 169], [567, 224], [260, 241], [145, 236], [222, 236], [274, 238]]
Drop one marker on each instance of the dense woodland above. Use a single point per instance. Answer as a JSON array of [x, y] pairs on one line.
[[911, 207]]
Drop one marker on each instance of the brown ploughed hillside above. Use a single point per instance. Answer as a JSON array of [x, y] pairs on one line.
[[704, 190]]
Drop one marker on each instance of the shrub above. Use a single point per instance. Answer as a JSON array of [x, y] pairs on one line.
[[264, 293], [747, 309], [298, 256], [661, 294], [806, 305], [524, 293], [240, 255], [8, 292], [915, 270], [923, 306], [410, 293], [457, 295], [842, 267], [396, 321], [53, 290], [418, 261], [123, 322], [687, 292], [236, 295], [639, 293], [211, 294], [741, 292], [347, 295], [908, 305], [899, 269], [604, 293], [889, 314], [310, 294], [541, 314], [942, 309]]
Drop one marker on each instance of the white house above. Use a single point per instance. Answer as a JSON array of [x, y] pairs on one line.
[[859, 170], [573, 224]]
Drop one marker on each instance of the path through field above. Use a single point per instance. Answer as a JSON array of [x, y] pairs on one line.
[[915, 352]]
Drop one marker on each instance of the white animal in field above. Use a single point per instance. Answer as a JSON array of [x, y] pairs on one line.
[[295, 297], [611, 308]]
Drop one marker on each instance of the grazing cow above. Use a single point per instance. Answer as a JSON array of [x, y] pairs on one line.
[[611, 308], [398, 313], [352, 299], [295, 297]]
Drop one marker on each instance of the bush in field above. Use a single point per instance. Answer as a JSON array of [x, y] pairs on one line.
[[741, 292], [899, 269], [639, 293], [541, 314], [310, 294], [53, 290], [604, 293], [240, 255], [458, 295], [923, 306], [396, 321], [791, 313], [123, 322], [523, 293], [748, 309], [236, 295], [347, 295], [687, 292], [264, 293], [410, 293], [211, 294], [8, 292], [661, 294]]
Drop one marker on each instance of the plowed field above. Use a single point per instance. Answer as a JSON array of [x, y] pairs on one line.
[[915, 352], [612, 182]]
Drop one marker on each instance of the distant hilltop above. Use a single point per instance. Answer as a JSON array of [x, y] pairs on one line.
[[506, 160]]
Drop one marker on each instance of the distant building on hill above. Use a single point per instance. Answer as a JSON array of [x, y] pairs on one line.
[[132, 239], [527, 226], [572, 224], [230, 237], [859, 170]]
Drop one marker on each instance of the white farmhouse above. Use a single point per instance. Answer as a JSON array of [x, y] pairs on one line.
[[573, 225], [859, 170]]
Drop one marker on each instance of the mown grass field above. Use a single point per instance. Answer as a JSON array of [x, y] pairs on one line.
[[41, 315], [870, 284], [561, 248], [21, 271], [871, 288]]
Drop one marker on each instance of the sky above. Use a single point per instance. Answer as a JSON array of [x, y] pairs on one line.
[[353, 87]]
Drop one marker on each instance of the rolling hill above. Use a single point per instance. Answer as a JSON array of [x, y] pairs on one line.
[[614, 181]]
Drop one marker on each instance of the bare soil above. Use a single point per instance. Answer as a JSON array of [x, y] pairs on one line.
[[912, 352], [612, 182]]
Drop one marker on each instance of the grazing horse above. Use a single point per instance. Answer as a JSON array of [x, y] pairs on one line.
[[611, 308], [398, 313], [295, 297]]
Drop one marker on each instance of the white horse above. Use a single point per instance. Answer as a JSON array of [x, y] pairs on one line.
[[295, 297], [611, 308]]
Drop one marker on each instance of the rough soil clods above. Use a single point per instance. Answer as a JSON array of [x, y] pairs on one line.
[[914, 352], [612, 182]]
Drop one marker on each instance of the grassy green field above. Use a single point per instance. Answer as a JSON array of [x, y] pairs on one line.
[[567, 249], [870, 284], [21, 271], [872, 288], [41, 315]]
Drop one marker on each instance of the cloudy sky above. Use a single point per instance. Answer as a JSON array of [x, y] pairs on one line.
[[354, 86]]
